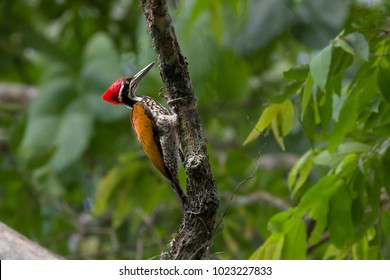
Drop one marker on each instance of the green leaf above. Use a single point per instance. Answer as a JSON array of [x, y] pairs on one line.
[[279, 222], [338, 103], [101, 62], [341, 228], [341, 43], [100, 47], [282, 124], [265, 120], [271, 249], [295, 241], [319, 213], [47, 181], [283, 117], [359, 45], [318, 193], [334, 253], [325, 158], [278, 137], [300, 172], [317, 117], [308, 123], [105, 189], [122, 206], [362, 250], [325, 109], [341, 60], [294, 232], [353, 147], [72, 138], [365, 84], [320, 65], [289, 89], [54, 96], [348, 165], [297, 73], [384, 82], [39, 134], [348, 116], [307, 95]]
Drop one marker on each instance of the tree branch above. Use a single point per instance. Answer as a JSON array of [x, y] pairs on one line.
[[195, 236], [14, 246], [16, 93]]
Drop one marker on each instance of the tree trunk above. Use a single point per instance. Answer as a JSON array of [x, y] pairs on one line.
[[193, 239]]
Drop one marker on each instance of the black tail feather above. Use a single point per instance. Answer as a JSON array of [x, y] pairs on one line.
[[179, 193]]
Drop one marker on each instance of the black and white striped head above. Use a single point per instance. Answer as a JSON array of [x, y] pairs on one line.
[[122, 91]]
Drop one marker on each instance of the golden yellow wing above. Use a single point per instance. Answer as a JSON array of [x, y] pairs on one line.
[[143, 128]]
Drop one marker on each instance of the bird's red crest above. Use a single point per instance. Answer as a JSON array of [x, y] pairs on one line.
[[112, 93]]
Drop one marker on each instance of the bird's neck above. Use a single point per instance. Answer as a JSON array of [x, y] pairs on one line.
[[129, 102]]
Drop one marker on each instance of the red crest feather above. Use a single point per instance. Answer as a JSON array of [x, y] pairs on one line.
[[112, 93]]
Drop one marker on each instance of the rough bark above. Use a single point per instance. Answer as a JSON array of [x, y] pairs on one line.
[[193, 239], [14, 246]]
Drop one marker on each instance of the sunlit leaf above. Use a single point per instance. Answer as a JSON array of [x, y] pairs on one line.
[[271, 249], [294, 247], [264, 122], [282, 124], [277, 134], [334, 253], [347, 165], [362, 250], [285, 118]]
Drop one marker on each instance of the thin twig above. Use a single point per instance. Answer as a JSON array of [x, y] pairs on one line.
[[242, 182]]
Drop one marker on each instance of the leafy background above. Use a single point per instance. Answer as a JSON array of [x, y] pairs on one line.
[[305, 84]]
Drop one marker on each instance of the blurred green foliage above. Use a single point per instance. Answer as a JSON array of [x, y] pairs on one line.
[[73, 177]]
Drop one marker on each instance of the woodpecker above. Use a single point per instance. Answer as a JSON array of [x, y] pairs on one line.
[[154, 125]]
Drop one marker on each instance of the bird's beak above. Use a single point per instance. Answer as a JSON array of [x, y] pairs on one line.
[[137, 77]]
